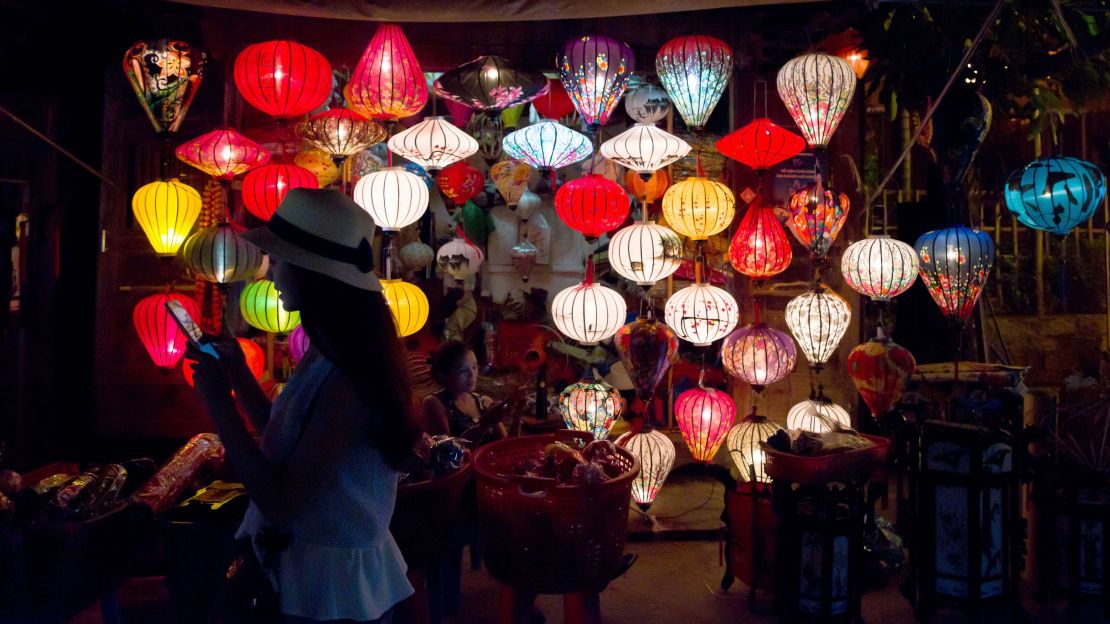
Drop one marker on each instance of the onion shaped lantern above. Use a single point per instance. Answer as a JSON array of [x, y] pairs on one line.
[[592, 205], [758, 354], [340, 132], [818, 321], [643, 148], [655, 453], [647, 348], [407, 303], [266, 186], [283, 79], [817, 213], [817, 415], [387, 84], [704, 417], [760, 248], [880, 368], [879, 267], [433, 144], [699, 207], [298, 343], [394, 197], [954, 264], [649, 191], [222, 153], [702, 314], [595, 71], [817, 89], [591, 406], [588, 312], [744, 446], [645, 252], [320, 164], [648, 104], [217, 254], [547, 145], [694, 70], [460, 183], [157, 329], [260, 305], [511, 180], [490, 83], [555, 103], [761, 144], [459, 257], [166, 210], [165, 74], [1055, 194], [252, 353]]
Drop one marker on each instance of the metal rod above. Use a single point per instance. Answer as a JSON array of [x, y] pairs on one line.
[[29, 128]]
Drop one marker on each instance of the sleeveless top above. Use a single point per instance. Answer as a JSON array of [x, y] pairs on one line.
[[342, 561], [459, 421]]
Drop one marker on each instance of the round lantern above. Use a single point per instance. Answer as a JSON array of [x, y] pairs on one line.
[[702, 313], [408, 304], [282, 78], [523, 258], [743, 445], [655, 452], [340, 132], [459, 258], [758, 354], [595, 70], [394, 197], [1055, 194], [592, 205], [416, 256], [647, 104], [217, 254], [698, 207], [252, 353], [652, 190], [591, 406], [761, 144], [760, 248], [704, 416], [222, 153], [954, 264], [165, 75], [511, 180], [260, 305], [158, 331], [818, 321], [547, 145], [818, 415], [817, 89], [645, 253], [387, 83], [460, 182], [588, 312], [433, 144], [166, 210], [694, 70], [816, 215], [320, 164], [643, 148], [298, 343], [490, 83], [879, 267], [266, 186], [879, 368], [647, 348], [555, 104]]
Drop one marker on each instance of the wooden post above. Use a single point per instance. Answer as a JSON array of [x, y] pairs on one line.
[[906, 193]]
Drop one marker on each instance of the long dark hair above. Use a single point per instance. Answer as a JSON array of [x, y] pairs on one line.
[[354, 329], [446, 360]]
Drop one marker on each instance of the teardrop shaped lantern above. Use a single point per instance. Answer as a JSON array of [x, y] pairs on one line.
[[511, 180], [407, 303], [459, 257], [555, 104], [523, 258], [433, 144], [643, 148], [817, 89], [647, 348], [758, 354], [1055, 194], [760, 248], [656, 453], [699, 207], [547, 145], [394, 197], [260, 305], [157, 329], [744, 446], [648, 104], [266, 186], [166, 210], [704, 417], [490, 83], [645, 252], [592, 205], [165, 74], [694, 70], [460, 183], [591, 406], [595, 70], [222, 153], [879, 267], [702, 314], [217, 254], [340, 132], [761, 144], [298, 343], [817, 415], [283, 79], [387, 84], [880, 368], [818, 321], [817, 213], [954, 264], [588, 312]]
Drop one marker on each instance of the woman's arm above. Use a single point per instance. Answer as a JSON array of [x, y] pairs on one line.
[[252, 400], [433, 417]]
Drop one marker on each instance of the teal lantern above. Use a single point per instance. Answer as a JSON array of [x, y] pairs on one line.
[[1055, 194]]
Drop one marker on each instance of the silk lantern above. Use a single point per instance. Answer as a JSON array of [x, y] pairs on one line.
[[433, 144], [260, 305], [266, 186], [490, 83], [165, 74], [388, 84], [528, 206], [460, 183], [656, 454], [817, 415], [217, 254], [880, 368], [298, 343], [648, 104], [555, 104], [166, 210], [702, 314], [222, 153], [407, 303], [591, 406], [761, 144], [523, 258], [595, 70], [699, 207], [744, 446], [1055, 194], [879, 267], [394, 197], [592, 205], [340, 132], [320, 164], [511, 180], [643, 148], [417, 256], [954, 264], [283, 79], [252, 353], [645, 252], [459, 257], [818, 321], [588, 312], [694, 70], [816, 89], [760, 248], [158, 331], [647, 349], [649, 191], [758, 354], [817, 213], [547, 145], [510, 117], [704, 417]]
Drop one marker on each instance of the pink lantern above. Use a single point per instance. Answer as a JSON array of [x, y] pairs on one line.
[[223, 153], [704, 417], [298, 343]]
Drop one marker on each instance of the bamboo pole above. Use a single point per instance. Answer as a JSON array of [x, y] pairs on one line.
[[905, 193]]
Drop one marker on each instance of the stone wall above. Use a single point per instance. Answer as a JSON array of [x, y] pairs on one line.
[[1053, 347]]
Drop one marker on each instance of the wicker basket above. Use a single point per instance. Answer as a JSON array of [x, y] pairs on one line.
[[427, 514], [547, 538], [832, 468]]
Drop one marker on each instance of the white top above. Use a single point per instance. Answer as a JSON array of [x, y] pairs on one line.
[[342, 561]]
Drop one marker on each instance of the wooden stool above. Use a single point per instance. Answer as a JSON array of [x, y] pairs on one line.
[[578, 608]]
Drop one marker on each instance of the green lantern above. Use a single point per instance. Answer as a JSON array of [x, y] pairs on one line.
[[262, 309]]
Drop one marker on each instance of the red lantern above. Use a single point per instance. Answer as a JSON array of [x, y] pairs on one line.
[[158, 331], [387, 83], [760, 248], [460, 182], [704, 416], [761, 144], [880, 368], [555, 104], [283, 79], [256, 360], [592, 205], [266, 186], [223, 153]]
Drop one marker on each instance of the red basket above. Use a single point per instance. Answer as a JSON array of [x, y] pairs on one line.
[[427, 514], [827, 468], [544, 537]]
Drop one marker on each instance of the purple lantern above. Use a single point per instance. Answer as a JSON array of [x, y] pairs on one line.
[[595, 70], [298, 343]]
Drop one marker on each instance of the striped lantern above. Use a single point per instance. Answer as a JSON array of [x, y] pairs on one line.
[[694, 70], [340, 132], [433, 144], [261, 307], [817, 89], [591, 406], [817, 414], [656, 454], [643, 148], [266, 186], [588, 312], [407, 303], [283, 79], [699, 207], [758, 354], [547, 145], [592, 205], [1055, 194], [704, 417], [702, 314], [166, 210], [394, 197], [222, 153], [217, 254], [817, 213], [954, 264], [760, 248], [761, 144], [645, 252], [595, 70], [743, 445], [879, 267], [490, 83], [298, 343], [157, 329], [647, 348], [818, 321], [387, 84]]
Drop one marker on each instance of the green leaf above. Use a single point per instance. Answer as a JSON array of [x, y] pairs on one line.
[[893, 105], [1092, 24]]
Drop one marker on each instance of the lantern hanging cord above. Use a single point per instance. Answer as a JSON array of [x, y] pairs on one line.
[[29, 128], [712, 492]]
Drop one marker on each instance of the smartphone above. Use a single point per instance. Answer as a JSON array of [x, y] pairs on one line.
[[187, 325]]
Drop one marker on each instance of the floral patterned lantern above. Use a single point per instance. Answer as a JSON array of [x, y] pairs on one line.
[[320, 164], [588, 312], [555, 104], [817, 213], [223, 153], [394, 197], [760, 248], [656, 453], [647, 104], [647, 348], [157, 329], [460, 183], [592, 205], [758, 354], [643, 148], [743, 445], [702, 314], [283, 79], [417, 256], [166, 211], [699, 207], [434, 143], [595, 71], [260, 305], [1055, 194], [340, 132], [879, 267], [704, 417], [490, 83], [818, 321], [694, 70], [266, 186], [591, 406], [547, 145], [511, 180], [298, 343], [645, 252], [165, 75], [407, 303], [817, 414], [217, 254], [817, 89], [879, 368], [387, 83], [955, 263], [761, 144], [459, 257]]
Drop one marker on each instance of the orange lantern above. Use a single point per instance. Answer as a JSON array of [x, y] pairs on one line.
[[256, 360], [655, 187]]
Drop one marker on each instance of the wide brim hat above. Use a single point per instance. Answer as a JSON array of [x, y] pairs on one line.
[[321, 230]]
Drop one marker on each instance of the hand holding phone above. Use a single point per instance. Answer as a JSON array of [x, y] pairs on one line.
[[190, 328]]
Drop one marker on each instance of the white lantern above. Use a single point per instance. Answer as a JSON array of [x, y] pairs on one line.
[[394, 197], [433, 144], [818, 321], [656, 454], [817, 415], [416, 256], [547, 145], [817, 89], [459, 258], [528, 205], [645, 252], [588, 312], [879, 267], [643, 148], [647, 104], [743, 443], [701, 314]]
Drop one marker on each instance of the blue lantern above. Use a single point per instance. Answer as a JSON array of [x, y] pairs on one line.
[[954, 264], [1055, 194]]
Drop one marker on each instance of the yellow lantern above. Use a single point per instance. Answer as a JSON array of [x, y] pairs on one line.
[[320, 164], [699, 208], [408, 304], [261, 307], [166, 210]]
